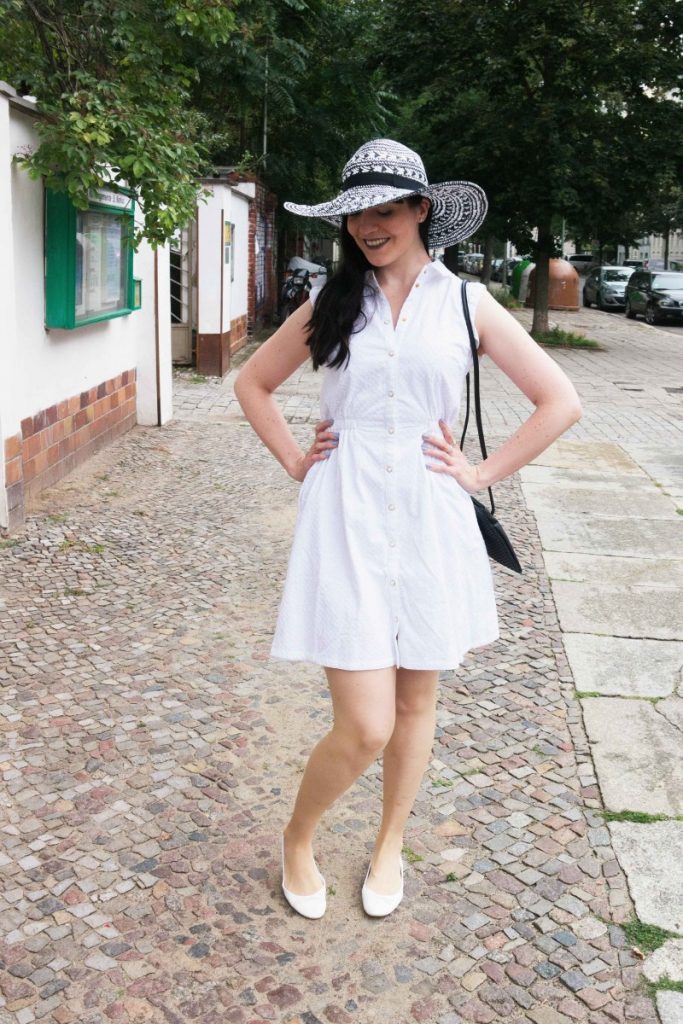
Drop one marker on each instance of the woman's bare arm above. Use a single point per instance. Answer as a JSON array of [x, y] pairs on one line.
[[513, 350], [548, 387], [269, 366]]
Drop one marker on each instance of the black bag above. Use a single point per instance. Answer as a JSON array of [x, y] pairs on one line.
[[497, 542]]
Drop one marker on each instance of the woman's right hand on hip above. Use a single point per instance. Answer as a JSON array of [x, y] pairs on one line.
[[325, 441]]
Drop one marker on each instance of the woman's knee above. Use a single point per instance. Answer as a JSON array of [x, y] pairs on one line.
[[365, 738], [364, 709]]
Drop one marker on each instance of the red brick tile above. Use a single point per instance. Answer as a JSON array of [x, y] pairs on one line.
[[39, 421], [33, 445], [13, 447], [53, 454], [14, 472]]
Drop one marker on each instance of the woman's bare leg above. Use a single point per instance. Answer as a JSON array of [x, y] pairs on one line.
[[406, 756], [364, 717]]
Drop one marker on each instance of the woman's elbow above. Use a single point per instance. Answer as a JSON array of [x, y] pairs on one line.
[[575, 411]]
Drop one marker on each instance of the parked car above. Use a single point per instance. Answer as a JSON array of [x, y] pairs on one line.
[[634, 264], [474, 262], [581, 261], [497, 268], [606, 287], [657, 294]]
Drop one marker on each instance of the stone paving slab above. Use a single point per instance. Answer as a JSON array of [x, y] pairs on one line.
[[636, 537], [648, 612], [594, 456], [587, 477], [602, 501], [670, 1006], [651, 857], [622, 667], [672, 709], [665, 962], [151, 752], [637, 754], [614, 571]]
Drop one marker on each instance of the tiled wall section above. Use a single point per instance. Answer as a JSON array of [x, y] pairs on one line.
[[238, 334], [54, 441]]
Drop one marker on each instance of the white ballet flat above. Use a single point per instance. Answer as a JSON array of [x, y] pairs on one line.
[[376, 904], [312, 905]]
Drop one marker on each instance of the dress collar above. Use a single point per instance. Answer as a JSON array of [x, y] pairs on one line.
[[434, 268]]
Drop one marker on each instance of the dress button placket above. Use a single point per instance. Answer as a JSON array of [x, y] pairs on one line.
[[390, 439]]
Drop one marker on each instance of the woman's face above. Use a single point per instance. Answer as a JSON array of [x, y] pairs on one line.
[[387, 232]]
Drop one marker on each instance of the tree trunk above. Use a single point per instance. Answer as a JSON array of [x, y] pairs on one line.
[[667, 237], [488, 253], [541, 277]]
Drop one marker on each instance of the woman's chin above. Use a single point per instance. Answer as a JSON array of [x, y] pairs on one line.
[[380, 257]]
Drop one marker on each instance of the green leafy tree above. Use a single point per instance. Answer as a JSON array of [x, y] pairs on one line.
[[114, 88], [553, 106], [309, 71]]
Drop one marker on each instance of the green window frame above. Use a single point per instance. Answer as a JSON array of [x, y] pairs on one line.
[[89, 259]]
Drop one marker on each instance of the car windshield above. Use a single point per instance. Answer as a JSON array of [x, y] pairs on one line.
[[674, 281], [617, 274]]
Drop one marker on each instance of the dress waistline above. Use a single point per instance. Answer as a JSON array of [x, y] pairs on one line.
[[382, 426]]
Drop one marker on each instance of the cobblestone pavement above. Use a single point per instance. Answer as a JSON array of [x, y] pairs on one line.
[[150, 752]]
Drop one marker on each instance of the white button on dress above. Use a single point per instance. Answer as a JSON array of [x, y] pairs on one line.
[[387, 564]]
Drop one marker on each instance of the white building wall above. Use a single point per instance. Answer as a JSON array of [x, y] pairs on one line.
[[225, 205], [239, 303], [43, 367], [53, 364], [209, 261], [9, 423]]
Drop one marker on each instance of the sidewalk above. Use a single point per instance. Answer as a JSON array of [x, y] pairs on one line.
[[150, 752]]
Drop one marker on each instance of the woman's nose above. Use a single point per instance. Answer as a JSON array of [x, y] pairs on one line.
[[367, 220]]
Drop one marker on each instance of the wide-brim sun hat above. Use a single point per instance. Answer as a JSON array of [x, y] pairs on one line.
[[382, 171]]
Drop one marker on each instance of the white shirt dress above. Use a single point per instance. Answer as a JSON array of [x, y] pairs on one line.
[[387, 564]]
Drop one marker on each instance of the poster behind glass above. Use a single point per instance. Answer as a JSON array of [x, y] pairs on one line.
[[101, 264]]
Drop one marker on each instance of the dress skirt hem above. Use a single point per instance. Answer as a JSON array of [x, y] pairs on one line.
[[368, 667]]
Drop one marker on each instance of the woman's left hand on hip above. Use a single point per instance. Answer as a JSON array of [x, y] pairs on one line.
[[452, 459]]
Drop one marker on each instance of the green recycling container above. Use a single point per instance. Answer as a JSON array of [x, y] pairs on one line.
[[517, 277]]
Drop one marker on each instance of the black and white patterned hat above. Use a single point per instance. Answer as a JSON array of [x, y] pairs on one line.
[[382, 171]]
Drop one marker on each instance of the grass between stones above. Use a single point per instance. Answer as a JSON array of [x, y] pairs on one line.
[[647, 938], [584, 694], [638, 817], [664, 984]]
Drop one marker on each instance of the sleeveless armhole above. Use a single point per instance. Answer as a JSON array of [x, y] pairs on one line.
[[475, 290], [314, 292]]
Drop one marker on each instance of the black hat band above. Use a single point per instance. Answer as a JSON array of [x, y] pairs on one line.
[[381, 178]]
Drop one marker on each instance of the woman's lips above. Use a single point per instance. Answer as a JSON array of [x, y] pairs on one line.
[[375, 243]]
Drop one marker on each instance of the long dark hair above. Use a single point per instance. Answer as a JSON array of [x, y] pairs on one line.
[[339, 304]]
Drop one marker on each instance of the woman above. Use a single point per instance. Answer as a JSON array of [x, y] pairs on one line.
[[388, 579]]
